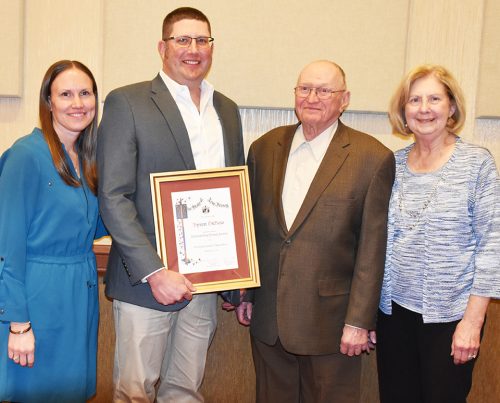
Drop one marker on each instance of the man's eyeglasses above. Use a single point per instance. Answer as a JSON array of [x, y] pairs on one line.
[[185, 41], [321, 92]]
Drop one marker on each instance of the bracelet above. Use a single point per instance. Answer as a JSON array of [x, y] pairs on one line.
[[20, 331]]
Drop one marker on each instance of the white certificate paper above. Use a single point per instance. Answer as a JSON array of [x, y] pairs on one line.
[[204, 230]]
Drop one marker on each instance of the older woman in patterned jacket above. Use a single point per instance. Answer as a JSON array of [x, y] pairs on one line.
[[443, 252]]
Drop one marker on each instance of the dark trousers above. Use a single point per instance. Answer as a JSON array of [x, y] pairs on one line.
[[283, 377], [414, 361]]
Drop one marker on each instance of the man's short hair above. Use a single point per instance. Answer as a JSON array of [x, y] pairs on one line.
[[182, 13]]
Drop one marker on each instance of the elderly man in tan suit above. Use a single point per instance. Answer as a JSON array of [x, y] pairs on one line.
[[320, 194]]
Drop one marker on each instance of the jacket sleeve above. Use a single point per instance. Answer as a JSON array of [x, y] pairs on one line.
[[19, 179], [370, 257], [117, 157], [101, 230], [486, 226]]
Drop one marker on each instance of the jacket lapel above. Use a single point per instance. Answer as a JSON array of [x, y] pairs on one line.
[[173, 119], [334, 157], [280, 159], [231, 128]]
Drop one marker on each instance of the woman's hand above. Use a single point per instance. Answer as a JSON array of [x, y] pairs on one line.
[[467, 337], [465, 342], [21, 348]]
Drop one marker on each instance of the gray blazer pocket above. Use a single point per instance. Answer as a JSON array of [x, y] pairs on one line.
[[331, 287]]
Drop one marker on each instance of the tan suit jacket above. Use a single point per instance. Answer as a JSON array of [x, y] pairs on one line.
[[327, 269]]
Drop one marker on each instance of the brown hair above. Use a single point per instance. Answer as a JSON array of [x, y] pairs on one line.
[[400, 97], [87, 140], [182, 13]]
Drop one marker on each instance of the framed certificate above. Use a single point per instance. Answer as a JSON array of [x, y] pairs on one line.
[[204, 227]]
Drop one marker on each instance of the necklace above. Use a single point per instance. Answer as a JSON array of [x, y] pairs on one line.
[[416, 215]]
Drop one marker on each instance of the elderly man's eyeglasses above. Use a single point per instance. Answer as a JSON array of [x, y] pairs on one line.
[[321, 92], [185, 41]]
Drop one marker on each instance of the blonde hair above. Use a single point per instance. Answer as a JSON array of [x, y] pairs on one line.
[[400, 98]]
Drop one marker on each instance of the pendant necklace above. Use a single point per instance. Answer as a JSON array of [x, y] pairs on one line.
[[416, 215]]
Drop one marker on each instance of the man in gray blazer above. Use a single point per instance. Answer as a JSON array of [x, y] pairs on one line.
[[174, 122], [320, 193]]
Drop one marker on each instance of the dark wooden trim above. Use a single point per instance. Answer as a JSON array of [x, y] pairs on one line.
[[101, 255]]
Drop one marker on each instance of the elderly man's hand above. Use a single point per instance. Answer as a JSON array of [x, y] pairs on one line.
[[354, 341], [244, 313]]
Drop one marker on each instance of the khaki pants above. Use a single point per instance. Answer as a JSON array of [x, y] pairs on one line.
[[160, 356]]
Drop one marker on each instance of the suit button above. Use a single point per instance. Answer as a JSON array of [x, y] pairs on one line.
[[288, 241], [1, 258]]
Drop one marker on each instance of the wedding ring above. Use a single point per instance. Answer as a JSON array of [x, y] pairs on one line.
[[16, 358], [471, 357]]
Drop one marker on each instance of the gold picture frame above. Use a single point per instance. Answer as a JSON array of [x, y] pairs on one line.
[[204, 227]]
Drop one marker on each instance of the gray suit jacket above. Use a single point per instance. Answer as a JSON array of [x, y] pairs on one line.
[[326, 270], [142, 132]]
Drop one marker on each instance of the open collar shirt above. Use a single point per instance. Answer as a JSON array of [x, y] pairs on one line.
[[304, 160], [203, 126]]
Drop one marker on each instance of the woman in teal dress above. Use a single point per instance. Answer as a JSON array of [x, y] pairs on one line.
[[48, 221]]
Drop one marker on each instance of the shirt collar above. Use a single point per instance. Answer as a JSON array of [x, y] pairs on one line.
[[318, 145], [182, 91]]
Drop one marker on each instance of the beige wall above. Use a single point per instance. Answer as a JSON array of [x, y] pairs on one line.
[[53, 30], [11, 47], [260, 47], [489, 68]]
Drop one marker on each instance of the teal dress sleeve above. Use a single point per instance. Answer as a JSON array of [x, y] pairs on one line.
[[100, 229], [19, 173]]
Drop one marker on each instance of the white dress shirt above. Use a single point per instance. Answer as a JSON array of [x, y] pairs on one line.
[[303, 162], [203, 126]]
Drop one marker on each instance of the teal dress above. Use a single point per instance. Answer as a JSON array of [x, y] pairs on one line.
[[47, 276]]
